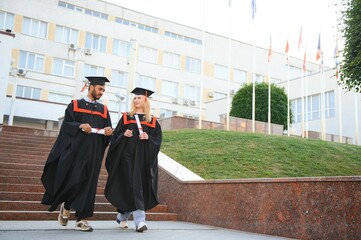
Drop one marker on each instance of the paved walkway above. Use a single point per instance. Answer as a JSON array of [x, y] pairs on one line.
[[159, 230]]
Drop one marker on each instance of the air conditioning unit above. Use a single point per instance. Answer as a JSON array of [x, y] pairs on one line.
[[175, 100], [21, 72], [185, 102], [210, 94], [193, 102], [87, 51], [72, 46]]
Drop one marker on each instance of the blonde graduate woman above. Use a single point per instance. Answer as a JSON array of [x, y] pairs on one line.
[[132, 162]]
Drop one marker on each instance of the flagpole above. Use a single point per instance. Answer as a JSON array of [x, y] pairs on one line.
[[339, 114], [288, 89], [322, 102], [300, 40], [306, 98], [202, 72], [356, 119], [302, 106], [269, 86], [254, 66], [229, 66], [306, 91], [269, 99]]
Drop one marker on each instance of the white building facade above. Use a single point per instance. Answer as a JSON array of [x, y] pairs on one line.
[[58, 43]]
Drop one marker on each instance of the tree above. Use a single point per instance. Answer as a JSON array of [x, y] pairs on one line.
[[242, 104], [351, 29]]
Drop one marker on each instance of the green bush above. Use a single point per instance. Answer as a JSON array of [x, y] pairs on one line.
[[242, 104]]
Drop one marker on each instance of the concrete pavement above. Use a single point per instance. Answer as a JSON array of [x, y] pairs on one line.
[[159, 230]]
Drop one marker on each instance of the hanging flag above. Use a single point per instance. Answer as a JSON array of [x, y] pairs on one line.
[[230, 3], [304, 63], [270, 49], [319, 52], [286, 50], [253, 9], [300, 39], [335, 55]]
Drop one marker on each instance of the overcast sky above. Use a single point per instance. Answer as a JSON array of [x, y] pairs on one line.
[[280, 18]]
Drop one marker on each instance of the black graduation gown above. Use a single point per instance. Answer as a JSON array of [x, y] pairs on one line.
[[72, 169], [132, 166]]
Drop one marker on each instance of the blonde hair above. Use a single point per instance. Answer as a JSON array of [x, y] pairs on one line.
[[146, 107]]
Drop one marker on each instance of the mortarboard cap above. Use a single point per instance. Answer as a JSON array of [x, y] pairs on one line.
[[142, 91], [97, 80]]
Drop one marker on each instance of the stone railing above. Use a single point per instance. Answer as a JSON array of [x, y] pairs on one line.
[[300, 208]]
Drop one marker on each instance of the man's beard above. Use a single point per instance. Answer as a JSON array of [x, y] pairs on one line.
[[94, 95]]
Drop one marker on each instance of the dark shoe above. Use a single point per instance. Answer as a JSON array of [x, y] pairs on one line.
[[83, 225], [64, 215]]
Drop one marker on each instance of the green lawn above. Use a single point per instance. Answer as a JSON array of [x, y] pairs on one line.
[[216, 154]]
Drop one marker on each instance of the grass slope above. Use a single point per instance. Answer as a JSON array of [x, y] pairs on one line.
[[216, 154]]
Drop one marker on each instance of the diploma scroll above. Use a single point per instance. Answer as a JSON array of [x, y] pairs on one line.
[[97, 131], [138, 124]]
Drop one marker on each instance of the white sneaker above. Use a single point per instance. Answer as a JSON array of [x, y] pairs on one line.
[[64, 215], [141, 227], [123, 224], [83, 225]]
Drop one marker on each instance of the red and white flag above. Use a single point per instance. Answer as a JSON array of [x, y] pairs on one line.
[[300, 40]]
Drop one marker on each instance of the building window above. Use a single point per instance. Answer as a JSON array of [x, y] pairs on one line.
[[164, 113], [63, 68], [121, 48], [66, 35], [83, 10], [193, 65], [314, 107], [147, 54], [137, 25], [314, 112], [191, 92], [146, 82], [221, 72], [172, 60], [34, 27], [90, 70], [6, 20], [329, 104], [31, 61], [95, 42], [119, 79], [259, 78], [28, 92], [170, 88], [240, 76], [183, 38], [59, 98]]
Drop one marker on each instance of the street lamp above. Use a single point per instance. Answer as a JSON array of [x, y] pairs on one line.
[[121, 99]]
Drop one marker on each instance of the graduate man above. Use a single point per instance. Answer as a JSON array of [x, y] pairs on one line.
[[71, 172]]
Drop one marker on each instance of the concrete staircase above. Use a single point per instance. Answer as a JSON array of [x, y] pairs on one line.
[[23, 152]]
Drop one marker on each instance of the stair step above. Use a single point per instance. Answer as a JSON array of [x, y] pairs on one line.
[[45, 215], [34, 174], [31, 180], [37, 206], [6, 187], [36, 196], [40, 156], [23, 153]]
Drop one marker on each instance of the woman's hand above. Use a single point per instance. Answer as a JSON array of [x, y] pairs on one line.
[[143, 136], [108, 131], [128, 133]]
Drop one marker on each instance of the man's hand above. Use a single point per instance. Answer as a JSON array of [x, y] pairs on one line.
[[85, 127]]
